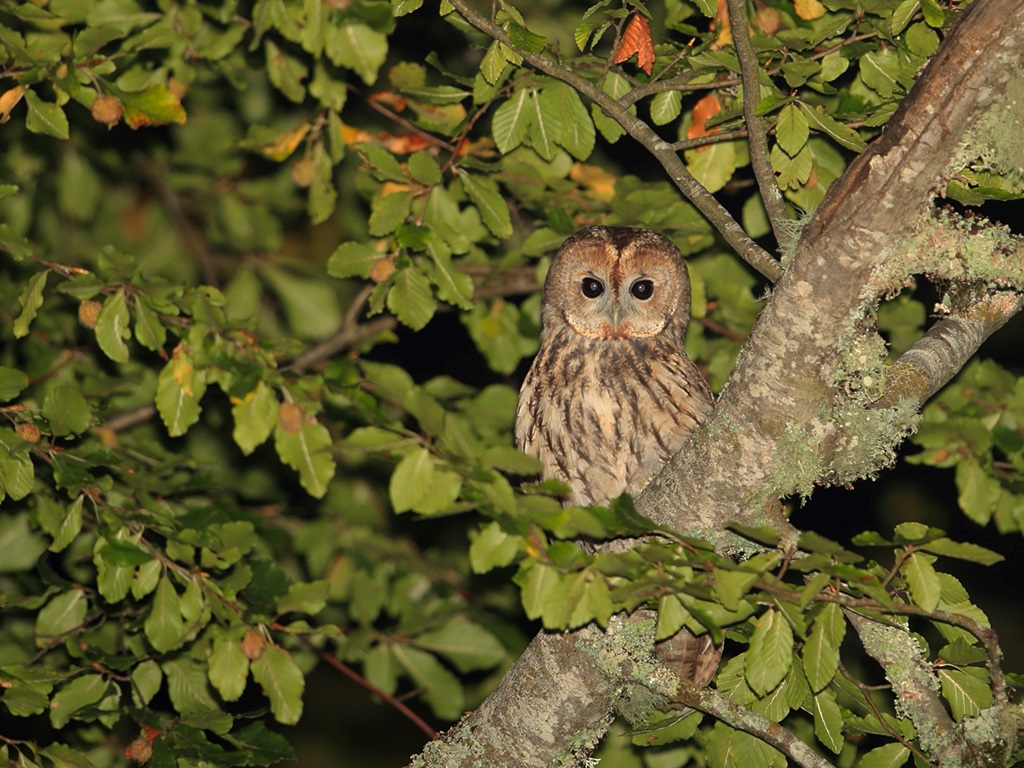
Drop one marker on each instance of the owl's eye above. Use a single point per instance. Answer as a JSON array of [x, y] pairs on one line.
[[642, 289], [592, 287]]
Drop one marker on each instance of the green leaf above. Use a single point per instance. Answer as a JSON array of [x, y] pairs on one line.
[[357, 47], [887, 756], [164, 625], [545, 124], [979, 493], [281, 680], [147, 677], [494, 62], [511, 121], [576, 132], [12, 382], [424, 169], [286, 73], [453, 286], [672, 616], [839, 133], [412, 480], [179, 389], [967, 690], [64, 756], [81, 692], [791, 130], [963, 551], [260, 745], [536, 583], [466, 645], [149, 331], [153, 105], [925, 587], [492, 548], [523, 40], [254, 416], [45, 117], [410, 298], [63, 524], [229, 668], [388, 212], [352, 259], [188, 685], [821, 651], [17, 476], [31, 299], [67, 411], [441, 689], [902, 15], [306, 450], [666, 106], [828, 721], [770, 654], [714, 165], [880, 71], [304, 597], [483, 191], [112, 327], [64, 613], [732, 586]]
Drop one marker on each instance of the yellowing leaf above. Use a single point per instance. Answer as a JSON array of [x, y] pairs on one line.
[[808, 10], [600, 183], [154, 105], [285, 143]]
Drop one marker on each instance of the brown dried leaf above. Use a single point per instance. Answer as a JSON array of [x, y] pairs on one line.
[[636, 39]]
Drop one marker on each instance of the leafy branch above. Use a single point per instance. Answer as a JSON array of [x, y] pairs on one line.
[[663, 152]]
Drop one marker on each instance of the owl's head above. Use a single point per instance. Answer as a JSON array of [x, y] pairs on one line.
[[617, 283]]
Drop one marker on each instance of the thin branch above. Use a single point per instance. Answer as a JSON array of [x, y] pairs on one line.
[[350, 673], [760, 160], [661, 150], [191, 238], [747, 720]]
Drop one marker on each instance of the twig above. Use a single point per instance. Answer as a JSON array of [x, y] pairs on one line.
[[661, 150], [350, 673], [192, 240], [747, 720], [865, 691], [756, 131]]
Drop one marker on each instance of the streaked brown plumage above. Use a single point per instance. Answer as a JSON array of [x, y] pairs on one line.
[[611, 395]]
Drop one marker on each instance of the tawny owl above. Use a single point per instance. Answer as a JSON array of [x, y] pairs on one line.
[[611, 395]]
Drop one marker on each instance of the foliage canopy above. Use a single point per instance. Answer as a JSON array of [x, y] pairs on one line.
[[221, 218]]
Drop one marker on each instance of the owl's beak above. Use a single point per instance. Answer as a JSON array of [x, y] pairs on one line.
[[615, 316]]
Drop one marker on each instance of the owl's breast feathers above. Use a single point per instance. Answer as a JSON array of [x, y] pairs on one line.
[[603, 416]]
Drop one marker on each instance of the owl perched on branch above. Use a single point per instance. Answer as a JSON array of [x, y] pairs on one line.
[[611, 395]]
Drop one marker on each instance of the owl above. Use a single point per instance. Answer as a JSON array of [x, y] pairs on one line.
[[611, 395]]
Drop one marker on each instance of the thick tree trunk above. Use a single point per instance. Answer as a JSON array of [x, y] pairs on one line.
[[779, 425]]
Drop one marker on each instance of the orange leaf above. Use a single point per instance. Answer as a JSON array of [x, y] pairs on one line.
[[703, 111], [285, 143], [636, 39], [8, 101]]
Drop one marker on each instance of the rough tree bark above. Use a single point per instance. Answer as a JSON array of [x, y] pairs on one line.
[[793, 381]]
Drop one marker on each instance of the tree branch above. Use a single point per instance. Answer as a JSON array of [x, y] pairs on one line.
[[760, 159], [661, 150], [747, 720], [947, 346]]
